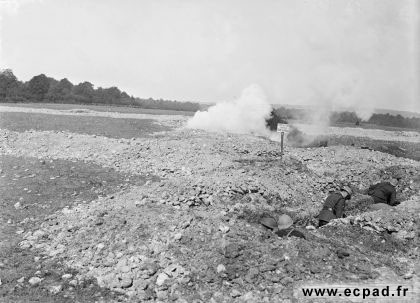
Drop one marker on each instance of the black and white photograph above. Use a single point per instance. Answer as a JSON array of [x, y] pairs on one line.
[[209, 151]]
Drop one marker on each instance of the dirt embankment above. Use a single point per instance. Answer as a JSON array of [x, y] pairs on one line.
[[193, 234], [404, 144]]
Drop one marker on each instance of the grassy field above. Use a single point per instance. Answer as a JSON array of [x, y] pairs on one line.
[[109, 127], [30, 190], [101, 108]]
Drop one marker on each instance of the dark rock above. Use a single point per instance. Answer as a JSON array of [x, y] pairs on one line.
[[341, 253]]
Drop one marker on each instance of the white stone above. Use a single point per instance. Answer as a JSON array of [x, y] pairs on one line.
[[73, 282], [34, 281], [220, 268], [162, 277], [66, 276], [224, 229], [55, 289]]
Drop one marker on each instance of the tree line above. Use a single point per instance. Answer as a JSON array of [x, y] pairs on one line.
[[378, 119], [288, 114], [46, 89]]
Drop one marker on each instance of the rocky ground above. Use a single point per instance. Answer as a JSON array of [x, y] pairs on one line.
[[190, 233]]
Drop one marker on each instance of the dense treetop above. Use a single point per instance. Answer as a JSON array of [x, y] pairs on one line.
[[44, 89], [346, 117]]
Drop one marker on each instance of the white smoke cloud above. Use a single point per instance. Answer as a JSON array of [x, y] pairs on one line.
[[350, 55], [244, 115], [337, 88]]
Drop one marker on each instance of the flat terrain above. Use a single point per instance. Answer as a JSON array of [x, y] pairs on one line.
[[99, 108], [374, 126], [174, 215], [114, 128]]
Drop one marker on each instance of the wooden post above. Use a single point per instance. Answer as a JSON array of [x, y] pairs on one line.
[[282, 150]]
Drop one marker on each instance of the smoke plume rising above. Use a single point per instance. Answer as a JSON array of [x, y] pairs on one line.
[[246, 114]]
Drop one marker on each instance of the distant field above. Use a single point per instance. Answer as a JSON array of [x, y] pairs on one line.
[[101, 108], [410, 150], [362, 125], [374, 126], [109, 127]]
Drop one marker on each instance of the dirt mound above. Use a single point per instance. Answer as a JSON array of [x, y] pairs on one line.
[[193, 234], [155, 251], [401, 221]]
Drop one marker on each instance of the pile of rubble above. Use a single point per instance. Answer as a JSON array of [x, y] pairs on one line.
[[193, 232], [402, 221], [155, 251]]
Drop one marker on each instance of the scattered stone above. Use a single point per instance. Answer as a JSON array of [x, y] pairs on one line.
[[252, 274], [66, 276], [126, 282], [248, 297], [55, 289], [173, 270], [341, 253], [220, 268], [162, 294], [162, 277], [224, 229], [25, 244], [34, 281], [73, 282], [235, 293], [232, 251], [21, 280], [286, 280]]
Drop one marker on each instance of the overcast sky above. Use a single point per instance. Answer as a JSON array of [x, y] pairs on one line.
[[338, 52]]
